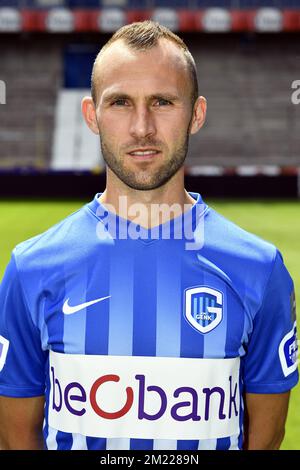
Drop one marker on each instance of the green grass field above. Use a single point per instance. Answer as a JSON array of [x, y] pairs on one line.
[[278, 222]]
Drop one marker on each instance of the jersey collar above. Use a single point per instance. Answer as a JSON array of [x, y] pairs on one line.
[[173, 226]]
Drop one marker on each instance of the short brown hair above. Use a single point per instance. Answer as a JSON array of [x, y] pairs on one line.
[[145, 35]]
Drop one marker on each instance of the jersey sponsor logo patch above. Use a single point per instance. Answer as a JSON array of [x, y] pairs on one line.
[[69, 310], [288, 352], [203, 308], [4, 344], [144, 397]]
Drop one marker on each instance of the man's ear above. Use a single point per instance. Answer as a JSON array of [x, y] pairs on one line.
[[199, 114], [89, 113]]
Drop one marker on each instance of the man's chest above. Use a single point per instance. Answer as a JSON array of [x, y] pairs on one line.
[[159, 305]]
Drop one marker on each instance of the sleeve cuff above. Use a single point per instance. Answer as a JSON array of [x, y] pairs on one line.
[[21, 392], [277, 387]]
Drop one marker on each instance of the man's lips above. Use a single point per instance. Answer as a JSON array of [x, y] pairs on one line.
[[144, 153]]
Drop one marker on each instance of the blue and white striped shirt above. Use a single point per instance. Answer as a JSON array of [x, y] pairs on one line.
[[140, 343]]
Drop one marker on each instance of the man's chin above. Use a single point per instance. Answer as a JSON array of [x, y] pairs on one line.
[[144, 186], [143, 181], [146, 181]]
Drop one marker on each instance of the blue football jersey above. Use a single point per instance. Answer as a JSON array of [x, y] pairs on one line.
[[146, 338]]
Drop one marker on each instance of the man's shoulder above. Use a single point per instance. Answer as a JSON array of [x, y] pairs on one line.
[[45, 247], [244, 260], [234, 241]]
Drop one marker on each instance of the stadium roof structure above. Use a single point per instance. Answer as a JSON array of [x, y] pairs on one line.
[[108, 20]]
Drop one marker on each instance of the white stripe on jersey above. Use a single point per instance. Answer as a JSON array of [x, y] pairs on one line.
[[79, 442], [234, 442], [164, 444], [51, 439], [118, 444], [207, 444]]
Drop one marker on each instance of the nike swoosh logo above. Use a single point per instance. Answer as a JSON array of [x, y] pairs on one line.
[[69, 310]]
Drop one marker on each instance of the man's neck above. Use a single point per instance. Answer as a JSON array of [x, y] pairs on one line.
[[147, 208]]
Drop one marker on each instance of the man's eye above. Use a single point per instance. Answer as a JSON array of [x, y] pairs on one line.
[[163, 102], [119, 102]]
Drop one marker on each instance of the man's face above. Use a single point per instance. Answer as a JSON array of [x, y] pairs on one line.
[[143, 105]]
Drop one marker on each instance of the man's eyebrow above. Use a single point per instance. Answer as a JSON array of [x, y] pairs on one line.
[[123, 96], [166, 96], [115, 96]]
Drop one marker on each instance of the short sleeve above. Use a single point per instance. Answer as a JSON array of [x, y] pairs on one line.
[[22, 360], [270, 363]]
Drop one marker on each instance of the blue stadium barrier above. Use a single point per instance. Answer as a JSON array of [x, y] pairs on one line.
[[143, 4], [81, 184], [185, 4], [9, 3], [85, 4], [214, 3], [269, 3], [137, 4], [44, 4], [247, 4]]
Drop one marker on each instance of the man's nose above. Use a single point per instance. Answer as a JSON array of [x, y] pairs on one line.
[[142, 123]]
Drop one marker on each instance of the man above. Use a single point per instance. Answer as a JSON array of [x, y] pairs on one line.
[[134, 334]]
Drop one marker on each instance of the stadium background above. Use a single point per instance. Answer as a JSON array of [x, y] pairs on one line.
[[245, 161]]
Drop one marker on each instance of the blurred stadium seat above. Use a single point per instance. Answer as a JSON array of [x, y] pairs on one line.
[[26, 121], [247, 83], [246, 79], [250, 117]]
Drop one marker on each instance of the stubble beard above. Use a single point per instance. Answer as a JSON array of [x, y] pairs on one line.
[[146, 179]]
